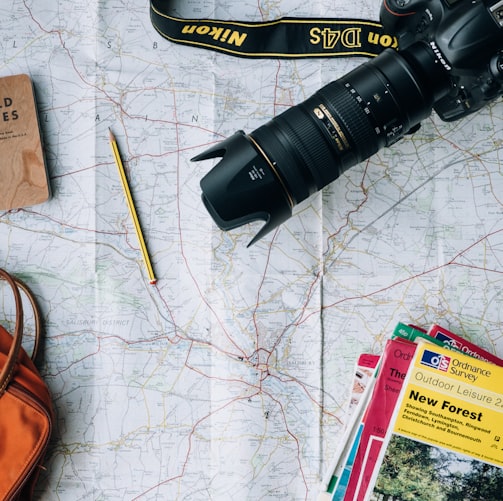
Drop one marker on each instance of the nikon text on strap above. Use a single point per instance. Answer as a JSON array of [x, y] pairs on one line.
[[282, 38]]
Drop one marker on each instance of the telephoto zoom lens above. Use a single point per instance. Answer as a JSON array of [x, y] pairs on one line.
[[263, 175]]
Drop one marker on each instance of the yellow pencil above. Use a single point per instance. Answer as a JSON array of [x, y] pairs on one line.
[[132, 209]]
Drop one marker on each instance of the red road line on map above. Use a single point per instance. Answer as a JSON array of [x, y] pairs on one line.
[[180, 231], [451, 262]]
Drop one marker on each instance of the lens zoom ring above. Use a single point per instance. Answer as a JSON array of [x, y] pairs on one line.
[[361, 132]]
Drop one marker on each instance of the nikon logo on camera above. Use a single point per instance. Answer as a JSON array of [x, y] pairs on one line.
[[350, 38]]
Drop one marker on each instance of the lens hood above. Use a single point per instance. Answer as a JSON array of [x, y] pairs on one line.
[[244, 186]]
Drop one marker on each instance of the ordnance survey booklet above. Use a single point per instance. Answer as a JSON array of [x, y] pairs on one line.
[[446, 433], [395, 363]]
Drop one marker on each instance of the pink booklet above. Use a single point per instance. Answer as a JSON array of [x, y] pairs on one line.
[[394, 364]]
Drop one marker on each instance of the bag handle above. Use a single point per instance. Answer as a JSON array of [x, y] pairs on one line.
[[7, 371]]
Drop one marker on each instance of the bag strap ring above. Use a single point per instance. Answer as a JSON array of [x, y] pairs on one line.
[[7, 370]]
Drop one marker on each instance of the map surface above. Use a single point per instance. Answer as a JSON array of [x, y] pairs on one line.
[[230, 378]]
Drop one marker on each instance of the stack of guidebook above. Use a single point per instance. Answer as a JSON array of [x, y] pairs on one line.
[[427, 423]]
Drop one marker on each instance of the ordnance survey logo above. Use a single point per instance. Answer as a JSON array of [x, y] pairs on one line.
[[448, 341], [435, 360]]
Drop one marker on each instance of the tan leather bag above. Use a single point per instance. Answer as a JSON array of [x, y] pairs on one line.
[[26, 412]]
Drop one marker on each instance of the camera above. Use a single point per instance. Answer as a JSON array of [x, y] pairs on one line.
[[449, 60]]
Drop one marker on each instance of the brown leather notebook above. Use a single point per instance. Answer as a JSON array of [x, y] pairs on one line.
[[23, 173]]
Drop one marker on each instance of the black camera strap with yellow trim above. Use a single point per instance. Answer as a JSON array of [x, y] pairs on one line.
[[285, 37]]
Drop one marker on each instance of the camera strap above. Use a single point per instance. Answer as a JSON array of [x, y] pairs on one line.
[[285, 37]]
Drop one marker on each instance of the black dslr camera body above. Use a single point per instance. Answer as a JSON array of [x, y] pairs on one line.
[[450, 60], [467, 39]]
